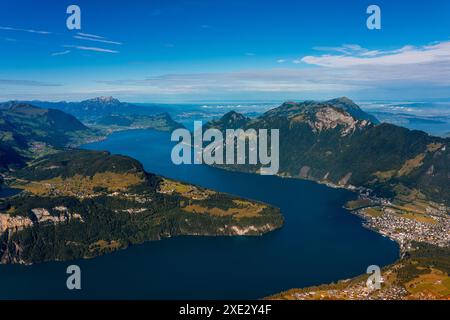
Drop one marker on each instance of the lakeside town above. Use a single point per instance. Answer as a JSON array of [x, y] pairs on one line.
[[418, 221], [422, 230]]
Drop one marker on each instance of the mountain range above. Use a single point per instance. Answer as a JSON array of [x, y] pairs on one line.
[[92, 109], [81, 204], [338, 143], [332, 142], [27, 131]]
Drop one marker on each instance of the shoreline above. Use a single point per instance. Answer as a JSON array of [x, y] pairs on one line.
[[404, 246], [360, 192]]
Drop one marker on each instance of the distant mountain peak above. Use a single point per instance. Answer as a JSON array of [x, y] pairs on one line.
[[230, 120], [289, 103], [344, 100], [233, 116], [352, 108], [22, 108], [15, 104], [103, 100], [290, 108]]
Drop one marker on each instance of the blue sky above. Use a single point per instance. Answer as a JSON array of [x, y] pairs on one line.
[[217, 50]]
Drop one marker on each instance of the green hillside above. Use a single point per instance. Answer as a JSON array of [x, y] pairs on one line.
[[80, 204], [160, 122], [336, 142], [26, 131]]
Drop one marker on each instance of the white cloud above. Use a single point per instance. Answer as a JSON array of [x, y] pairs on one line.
[[97, 40], [61, 53], [408, 70], [346, 48], [358, 56], [95, 49], [90, 35], [25, 30], [276, 80]]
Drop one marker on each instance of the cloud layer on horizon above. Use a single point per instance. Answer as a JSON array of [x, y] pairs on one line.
[[355, 55], [349, 68], [405, 72], [20, 82]]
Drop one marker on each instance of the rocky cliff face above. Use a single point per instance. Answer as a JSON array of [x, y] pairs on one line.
[[330, 118], [11, 252], [13, 224], [38, 216], [81, 204], [337, 143]]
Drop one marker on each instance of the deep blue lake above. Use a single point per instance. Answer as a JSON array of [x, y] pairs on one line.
[[319, 243], [8, 192]]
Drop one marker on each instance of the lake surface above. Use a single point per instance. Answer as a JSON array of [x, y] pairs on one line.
[[9, 192], [319, 243]]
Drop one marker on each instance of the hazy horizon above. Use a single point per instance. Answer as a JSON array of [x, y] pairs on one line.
[[223, 51]]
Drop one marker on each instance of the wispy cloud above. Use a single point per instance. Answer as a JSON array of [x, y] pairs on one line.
[[25, 30], [355, 55], [276, 80], [407, 70], [97, 40], [61, 53], [8, 39], [345, 49], [281, 61], [79, 36], [90, 35], [16, 82], [95, 49]]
